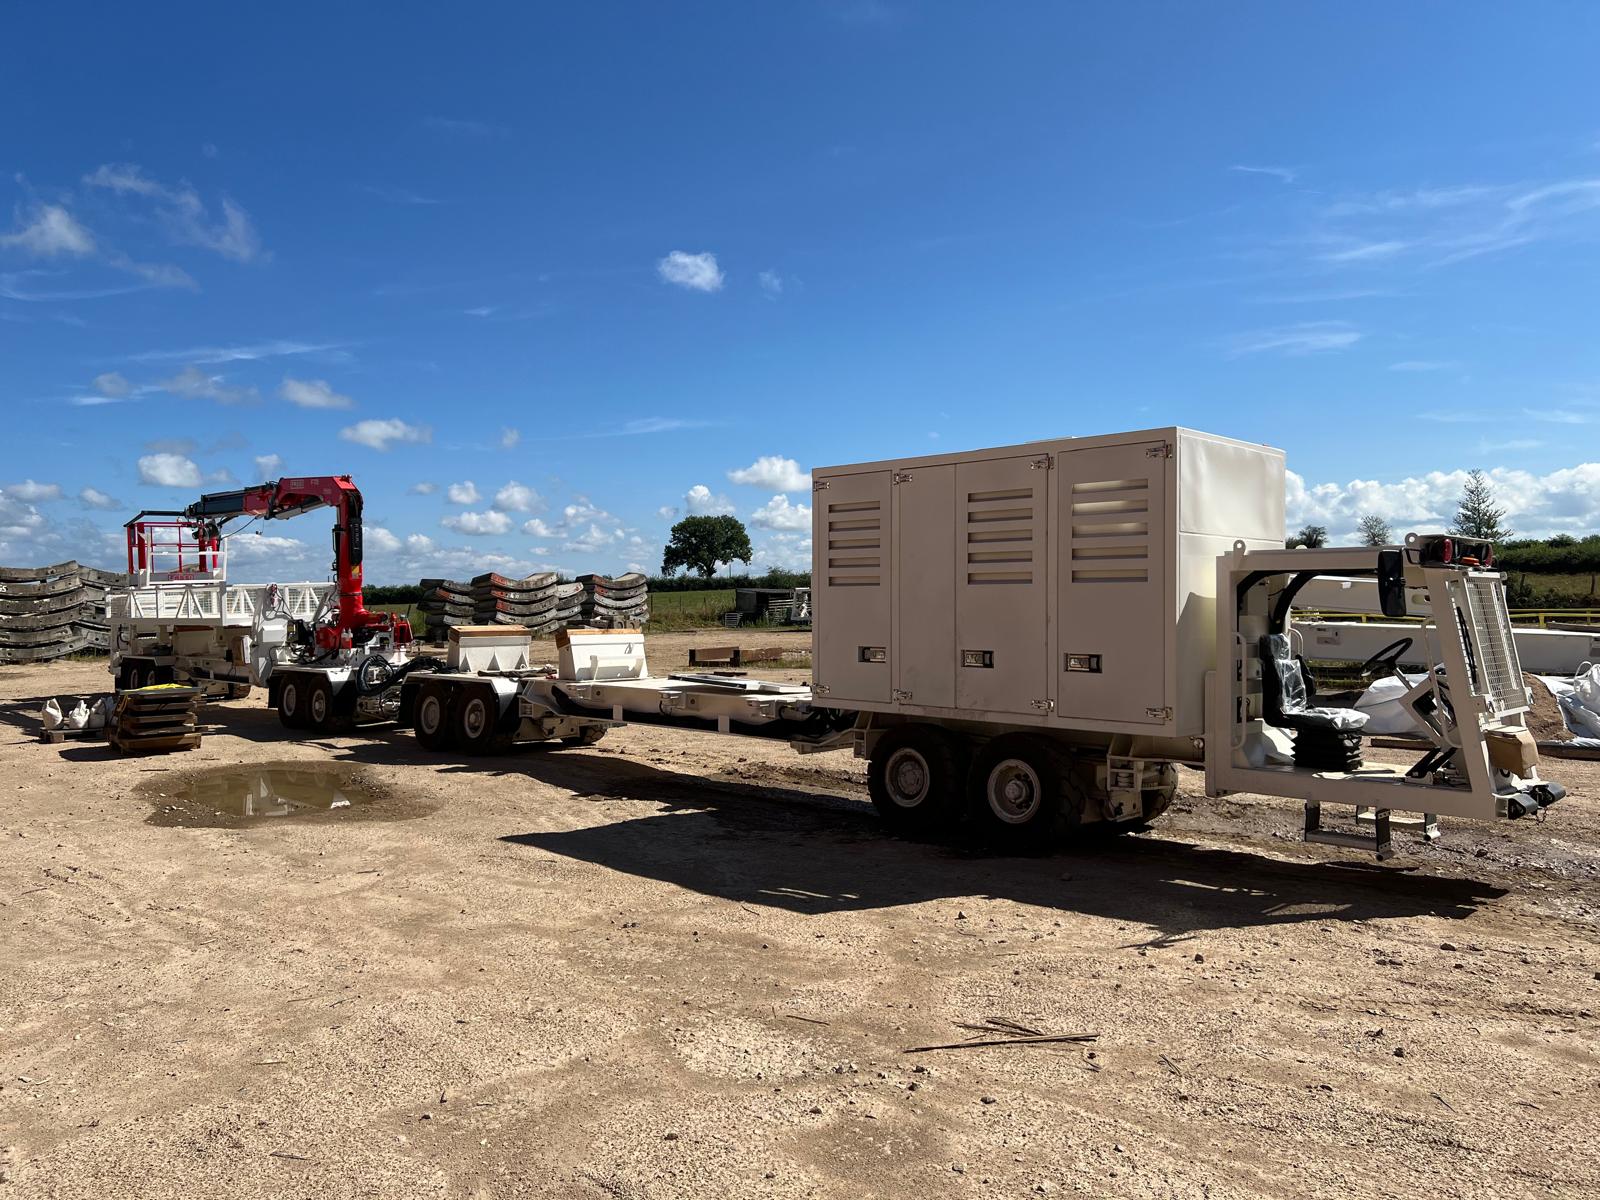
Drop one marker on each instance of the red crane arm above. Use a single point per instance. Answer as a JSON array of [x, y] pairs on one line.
[[290, 497]]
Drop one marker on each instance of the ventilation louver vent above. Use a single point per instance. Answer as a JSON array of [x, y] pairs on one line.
[[1000, 536], [855, 544], [1111, 531]]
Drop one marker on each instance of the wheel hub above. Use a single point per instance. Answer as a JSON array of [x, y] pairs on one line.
[[908, 778], [1014, 791]]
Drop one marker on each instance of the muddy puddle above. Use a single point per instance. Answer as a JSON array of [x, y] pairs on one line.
[[267, 793]]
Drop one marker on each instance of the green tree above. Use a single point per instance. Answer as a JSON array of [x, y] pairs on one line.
[[1374, 530], [1312, 537], [700, 543], [1476, 514]]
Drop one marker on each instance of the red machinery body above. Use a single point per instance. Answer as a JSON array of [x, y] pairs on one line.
[[277, 500]]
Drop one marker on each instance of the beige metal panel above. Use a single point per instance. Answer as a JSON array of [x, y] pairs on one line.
[[1114, 585], [1230, 489], [924, 590], [1002, 548], [852, 553]]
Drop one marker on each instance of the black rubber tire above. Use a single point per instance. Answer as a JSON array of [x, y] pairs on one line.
[[292, 693], [238, 691], [916, 778], [1018, 791], [431, 718], [590, 735], [322, 707], [476, 720]]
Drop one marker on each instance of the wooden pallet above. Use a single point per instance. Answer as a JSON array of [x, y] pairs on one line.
[[155, 720], [55, 737]]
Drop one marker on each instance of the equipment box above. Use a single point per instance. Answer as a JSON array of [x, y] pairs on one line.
[[1064, 584]]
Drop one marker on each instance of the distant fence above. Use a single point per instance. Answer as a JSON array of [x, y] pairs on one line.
[[50, 612]]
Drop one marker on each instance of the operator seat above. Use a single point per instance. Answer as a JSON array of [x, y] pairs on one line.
[[1325, 739]]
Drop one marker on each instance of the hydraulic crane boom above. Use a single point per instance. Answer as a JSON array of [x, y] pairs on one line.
[[291, 497]]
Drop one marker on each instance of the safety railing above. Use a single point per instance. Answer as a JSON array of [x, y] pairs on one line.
[[1541, 618]]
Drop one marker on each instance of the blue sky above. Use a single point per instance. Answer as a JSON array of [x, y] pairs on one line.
[[542, 279]]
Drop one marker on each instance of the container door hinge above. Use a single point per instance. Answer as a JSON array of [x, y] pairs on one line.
[[1040, 464], [1159, 714], [900, 695], [821, 485], [1164, 450], [901, 477], [1044, 705]]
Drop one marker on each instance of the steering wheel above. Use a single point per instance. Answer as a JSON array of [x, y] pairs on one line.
[[1389, 657]]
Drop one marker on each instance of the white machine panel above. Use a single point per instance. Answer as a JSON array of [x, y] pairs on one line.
[[1002, 557], [924, 587], [852, 550], [1113, 586]]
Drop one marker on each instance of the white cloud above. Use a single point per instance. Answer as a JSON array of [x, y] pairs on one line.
[[697, 272], [169, 470], [382, 433], [19, 520], [516, 497], [185, 216], [32, 492], [1366, 252], [592, 540], [1307, 337], [1281, 174], [268, 465], [773, 473], [778, 513], [258, 547], [478, 524], [784, 551], [699, 501], [465, 492], [251, 352], [509, 438], [112, 385], [380, 539], [538, 528], [91, 497], [1561, 501], [667, 512], [312, 393], [192, 383], [422, 488], [771, 283], [51, 231]]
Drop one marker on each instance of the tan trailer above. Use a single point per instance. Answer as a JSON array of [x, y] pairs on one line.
[[1037, 636]]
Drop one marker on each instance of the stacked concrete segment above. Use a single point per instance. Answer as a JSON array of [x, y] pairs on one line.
[[615, 601], [50, 612], [541, 602]]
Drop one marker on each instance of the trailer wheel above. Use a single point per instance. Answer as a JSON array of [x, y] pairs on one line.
[[322, 707], [590, 735], [238, 691], [1018, 784], [292, 703], [476, 722], [915, 779], [431, 717]]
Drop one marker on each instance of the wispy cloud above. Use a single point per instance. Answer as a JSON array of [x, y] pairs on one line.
[[1282, 174], [1423, 364], [382, 433], [186, 217], [192, 383], [50, 231], [249, 352], [312, 393], [1366, 252], [1307, 337]]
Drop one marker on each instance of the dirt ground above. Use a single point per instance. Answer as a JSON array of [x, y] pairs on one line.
[[678, 965]]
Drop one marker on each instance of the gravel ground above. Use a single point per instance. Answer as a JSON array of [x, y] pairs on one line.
[[680, 965]]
